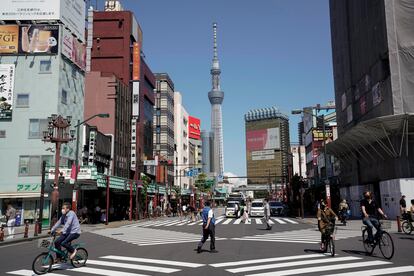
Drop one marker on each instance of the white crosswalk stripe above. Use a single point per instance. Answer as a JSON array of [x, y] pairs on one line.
[[143, 236], [219, 221], [312, 263], [306, 236], [108, 266]]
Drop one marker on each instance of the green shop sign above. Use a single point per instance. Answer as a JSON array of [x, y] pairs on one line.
[[27, 188]]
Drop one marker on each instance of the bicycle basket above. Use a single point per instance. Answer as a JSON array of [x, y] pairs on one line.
[[385, 224], [44, 243]]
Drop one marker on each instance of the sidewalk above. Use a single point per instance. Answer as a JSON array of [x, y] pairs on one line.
[[19, 231]]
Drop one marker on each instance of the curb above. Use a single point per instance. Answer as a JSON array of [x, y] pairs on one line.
[[21, 240]]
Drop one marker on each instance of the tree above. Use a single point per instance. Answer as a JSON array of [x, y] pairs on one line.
[[200, 183]]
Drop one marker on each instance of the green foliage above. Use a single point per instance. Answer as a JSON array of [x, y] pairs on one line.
[[203, 184]]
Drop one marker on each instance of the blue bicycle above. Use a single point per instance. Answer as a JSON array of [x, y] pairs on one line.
[[43, 263]]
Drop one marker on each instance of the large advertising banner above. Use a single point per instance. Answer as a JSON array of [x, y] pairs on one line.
[[38, 39], [70, 12], [9, 39], [263, 139], [194, 128], [136, 61], [73, 49], [7, 72]]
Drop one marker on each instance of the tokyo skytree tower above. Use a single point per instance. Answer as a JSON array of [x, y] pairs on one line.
[[216, 97]]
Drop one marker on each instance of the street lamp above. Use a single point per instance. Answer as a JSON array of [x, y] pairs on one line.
[[75, 185], [322, 117], [57, 134]]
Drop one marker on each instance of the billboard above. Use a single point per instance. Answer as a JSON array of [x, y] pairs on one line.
[[7, 72], [194, 128], [70, 12], [263, 139], [74, 50], [135, 99], [9, 39]]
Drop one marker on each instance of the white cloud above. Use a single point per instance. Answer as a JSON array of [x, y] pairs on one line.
[[236, 182]]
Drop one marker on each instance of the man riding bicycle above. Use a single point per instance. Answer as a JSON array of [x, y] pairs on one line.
[[370, 212], [325, 217], [71, 230]]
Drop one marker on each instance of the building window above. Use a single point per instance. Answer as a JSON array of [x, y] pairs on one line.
[[2, 134], [22, 100], [36, 127], [31, 165], [45, 66], [64, 98]]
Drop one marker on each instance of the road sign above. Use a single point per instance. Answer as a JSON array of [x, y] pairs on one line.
[[150, 162], [220, 178], [328, 190]]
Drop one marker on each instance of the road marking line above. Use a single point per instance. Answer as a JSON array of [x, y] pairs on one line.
[[321, 268], [26, 272], [237, 221], [280, 221], [290, 264], [291, 221], [194, 223], [105, 272], [384, 271], [227, 221], [248, 221], [163, 223], [267, 240], [134, 266], [258, 221], [154, 261], [172, 223], [184, 223], [276, 259], [185, 241], [219, 220]]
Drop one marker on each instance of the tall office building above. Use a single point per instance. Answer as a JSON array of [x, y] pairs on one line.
[[181, 136], [373, 73], [207, 144], [216, 97], [267, 146]]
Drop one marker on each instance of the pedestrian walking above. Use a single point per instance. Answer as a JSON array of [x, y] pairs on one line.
[[403, 205], [267, 214], [245, 216], [11, 220], [236, 210], [209, 228], [150, 209], [185, 211]]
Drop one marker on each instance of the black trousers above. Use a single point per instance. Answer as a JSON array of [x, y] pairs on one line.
[[65, 241], [209, 232]]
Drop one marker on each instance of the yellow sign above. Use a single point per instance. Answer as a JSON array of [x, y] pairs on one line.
[[9, 39]]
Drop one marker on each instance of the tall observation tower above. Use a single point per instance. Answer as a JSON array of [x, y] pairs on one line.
[[216, 97]]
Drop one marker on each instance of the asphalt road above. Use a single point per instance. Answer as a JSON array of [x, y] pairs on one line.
[[288, 249]]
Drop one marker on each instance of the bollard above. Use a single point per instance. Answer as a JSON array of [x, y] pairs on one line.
[[26, 229], [399, 224], [1, 233]]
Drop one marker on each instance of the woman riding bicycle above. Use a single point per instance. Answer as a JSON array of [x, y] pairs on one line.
[[325, 217], [370, 212], [71, 230]]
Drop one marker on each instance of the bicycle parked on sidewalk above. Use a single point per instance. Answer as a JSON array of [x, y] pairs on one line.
[[43, 263], [382, 239]]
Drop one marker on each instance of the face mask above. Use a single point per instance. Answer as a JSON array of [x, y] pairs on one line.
[[63, 211]]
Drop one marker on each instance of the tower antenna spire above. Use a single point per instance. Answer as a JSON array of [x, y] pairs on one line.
[[215, 40]]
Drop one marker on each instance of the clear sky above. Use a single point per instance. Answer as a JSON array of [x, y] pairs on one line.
[[272, 53]]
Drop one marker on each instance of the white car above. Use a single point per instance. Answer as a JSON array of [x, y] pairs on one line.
[[257, 208], [231, 208]]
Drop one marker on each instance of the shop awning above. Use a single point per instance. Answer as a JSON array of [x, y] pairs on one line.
[[369, 136], [21, 195]]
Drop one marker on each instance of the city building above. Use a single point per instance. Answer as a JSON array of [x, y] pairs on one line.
[[373, 94], [194, 132], [182, 164], [216, 97], [41, 75], [298, 160], [207, 143], [267, 148], [164, 136]]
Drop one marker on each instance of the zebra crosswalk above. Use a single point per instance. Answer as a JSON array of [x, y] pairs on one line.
[[310, 236], [146, 236], [174, 222], [114, 265], [313, 263]]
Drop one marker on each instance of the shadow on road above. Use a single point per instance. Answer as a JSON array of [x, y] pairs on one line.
[[358, 252], [313, 251], [407, 238]]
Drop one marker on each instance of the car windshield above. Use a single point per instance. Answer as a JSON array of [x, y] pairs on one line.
[[257, 204], [231, 205], [275, 204]]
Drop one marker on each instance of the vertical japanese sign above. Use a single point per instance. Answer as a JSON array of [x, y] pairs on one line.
[[136, 62], [7, 72]]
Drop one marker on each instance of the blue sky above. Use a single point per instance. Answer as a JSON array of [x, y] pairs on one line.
[[272, 53]]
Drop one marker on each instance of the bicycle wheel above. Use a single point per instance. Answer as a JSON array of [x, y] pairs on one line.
[[42, 264], [386, 245], [406, 227], [368, 247], [331, 247], [80, 258]]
